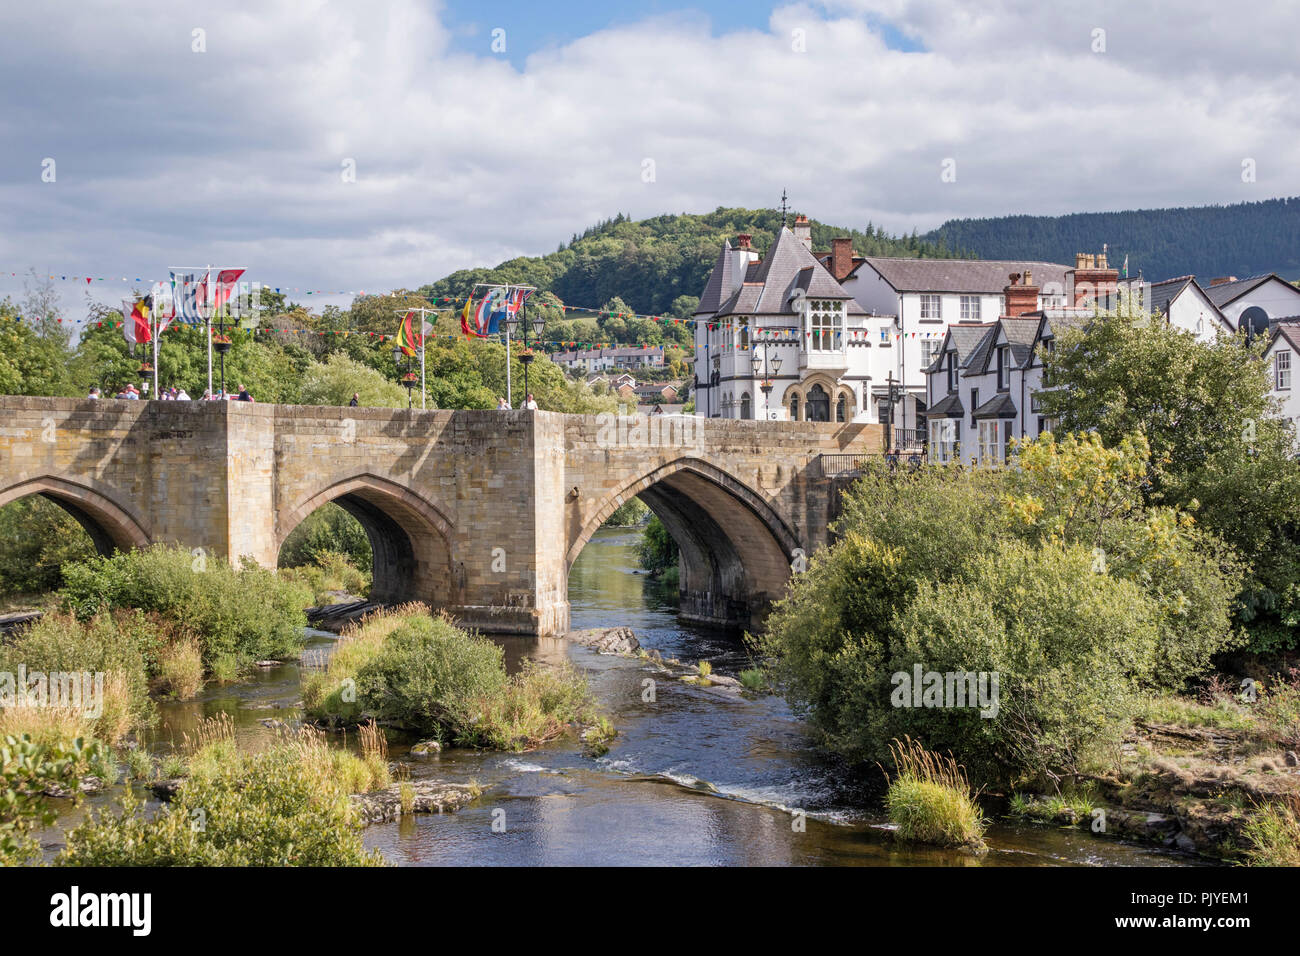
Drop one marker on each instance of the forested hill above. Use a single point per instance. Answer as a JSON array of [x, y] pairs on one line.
[[1243, 239], [659, 266]]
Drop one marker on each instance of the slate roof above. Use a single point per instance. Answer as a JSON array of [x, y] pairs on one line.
[[999, 406], [1289, 331], [1021, 335], [719, 284], [949, 406], [1226, 292], [965, 338], [987, 276], [770, 283]]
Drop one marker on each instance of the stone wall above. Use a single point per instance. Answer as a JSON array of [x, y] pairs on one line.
[[480, 512]]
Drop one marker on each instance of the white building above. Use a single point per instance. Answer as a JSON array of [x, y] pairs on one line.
[[1273, 297], [781, 321], [1184, 303], [618, 357], [921, 299], [1281, 356]]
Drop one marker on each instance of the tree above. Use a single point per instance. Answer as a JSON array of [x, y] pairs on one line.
[[334, 381], [1218, 449]]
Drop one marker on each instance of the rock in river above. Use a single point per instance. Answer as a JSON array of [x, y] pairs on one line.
[[607, 640], [426, 748], [431, 796]]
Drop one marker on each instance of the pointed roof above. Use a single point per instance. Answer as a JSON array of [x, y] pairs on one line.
[[963, 338], [972, 276], [788, 265], [720, 282]]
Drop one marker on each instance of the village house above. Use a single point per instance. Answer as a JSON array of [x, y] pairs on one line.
[[615, 357], [1283, 349]]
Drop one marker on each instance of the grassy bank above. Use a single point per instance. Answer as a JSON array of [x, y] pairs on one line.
[[407, 669], [289, 805]]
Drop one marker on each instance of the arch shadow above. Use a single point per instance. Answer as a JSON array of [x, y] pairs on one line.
[[735, 548], [111, 526], [409, 536]]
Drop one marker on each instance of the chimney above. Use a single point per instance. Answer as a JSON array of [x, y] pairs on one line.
[[742, 240], [1092, 280], [803, 231], [1021, 297], [1222, 280], [841, 257]]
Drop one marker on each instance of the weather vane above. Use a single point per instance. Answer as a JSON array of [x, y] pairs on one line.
[[784, 207]]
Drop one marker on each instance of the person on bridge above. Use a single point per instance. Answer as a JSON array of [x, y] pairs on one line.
[[502, 404], [356, 400], [180, 395], [94, 394], [243, 395], [529, 404]]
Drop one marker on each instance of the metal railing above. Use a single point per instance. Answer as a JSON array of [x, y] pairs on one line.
[[832, 466], [909, 439]]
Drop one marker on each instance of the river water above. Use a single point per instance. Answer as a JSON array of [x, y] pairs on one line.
[[696, 776]]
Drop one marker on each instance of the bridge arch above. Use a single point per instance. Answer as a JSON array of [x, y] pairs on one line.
[[112, 527], [409, 536], [736, 549]]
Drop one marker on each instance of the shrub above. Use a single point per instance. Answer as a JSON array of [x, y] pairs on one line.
[[115, 646], [330, 572], [410, 670], [930, 798], [180, 669], [240, 615], [37, 538], [328, 528], [630, 513], [1273, 834], [27, 769], [657, 551], [282, 807]]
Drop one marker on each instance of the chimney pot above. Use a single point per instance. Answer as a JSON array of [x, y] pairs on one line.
[[742, 240]]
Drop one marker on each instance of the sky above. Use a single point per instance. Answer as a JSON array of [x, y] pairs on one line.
[[342, 147]]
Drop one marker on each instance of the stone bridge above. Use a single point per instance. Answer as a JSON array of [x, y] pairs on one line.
[[479, 512]]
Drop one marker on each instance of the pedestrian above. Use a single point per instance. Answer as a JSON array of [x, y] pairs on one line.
[[207, 395], [529, 404], [356, 400], [502, 404], [181, 395], [243, 395], [166, 395], [94, 394], [131, 394]]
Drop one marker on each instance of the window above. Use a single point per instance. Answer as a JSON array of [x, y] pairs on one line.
[[819, 405], [931, 307], [990, 445], [952, 371], [1282, 367], [1004, 368], [970, 308], [928, 348], [825, 323], [841, 409], [974, 404], [746, 407], [743, 338], [1047, 424], [945, 434], [794, 408]]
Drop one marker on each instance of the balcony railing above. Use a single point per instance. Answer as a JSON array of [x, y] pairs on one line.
[[909, 439]]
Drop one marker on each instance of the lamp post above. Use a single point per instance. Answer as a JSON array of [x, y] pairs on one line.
[[893, 404], [515, 320], [409, 378], [221, 342], [766, 384]]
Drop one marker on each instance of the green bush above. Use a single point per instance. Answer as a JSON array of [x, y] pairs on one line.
[[27, 769], [657, 551], [628, 514], [327, 529], [930, 799], [37, 538], [283, 807], [240, 615], [408, 669], [1053, 574]]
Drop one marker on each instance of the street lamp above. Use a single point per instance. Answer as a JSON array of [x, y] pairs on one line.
[[766, 384], [514, 320], [409, 378]]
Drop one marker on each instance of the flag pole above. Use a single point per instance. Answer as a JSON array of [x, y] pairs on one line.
[[153, 319], [207, 280], [510, 399], [423, 344]]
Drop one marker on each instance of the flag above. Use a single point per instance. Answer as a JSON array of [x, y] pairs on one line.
[[135, 321], [161, 307], [517, 300], [187, 294], [483, 320], [407, 338], [1126, 266], [464, 315], [224, 286]]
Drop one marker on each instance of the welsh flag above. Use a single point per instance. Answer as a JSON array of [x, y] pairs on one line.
[[407, 338]]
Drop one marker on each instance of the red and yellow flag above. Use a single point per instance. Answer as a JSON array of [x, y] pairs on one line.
[[407, 338]]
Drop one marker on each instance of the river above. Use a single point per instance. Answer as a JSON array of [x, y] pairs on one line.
[[694, 777]]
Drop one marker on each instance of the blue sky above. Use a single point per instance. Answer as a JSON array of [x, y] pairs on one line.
[[531, 26]]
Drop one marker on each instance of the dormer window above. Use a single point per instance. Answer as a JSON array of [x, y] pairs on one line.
[[1004, 368], [825, 324], [952, 371]]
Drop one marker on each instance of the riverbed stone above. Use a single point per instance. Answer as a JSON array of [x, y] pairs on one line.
[[426, 748], [431, 796], [607, 640]]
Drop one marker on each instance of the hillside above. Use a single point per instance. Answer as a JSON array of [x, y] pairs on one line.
[[1242, 239], [655, 266]]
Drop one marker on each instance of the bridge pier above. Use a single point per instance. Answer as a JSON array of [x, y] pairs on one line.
[[479, 513]]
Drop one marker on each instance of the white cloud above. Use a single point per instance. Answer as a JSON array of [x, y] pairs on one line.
[[233, 155]]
